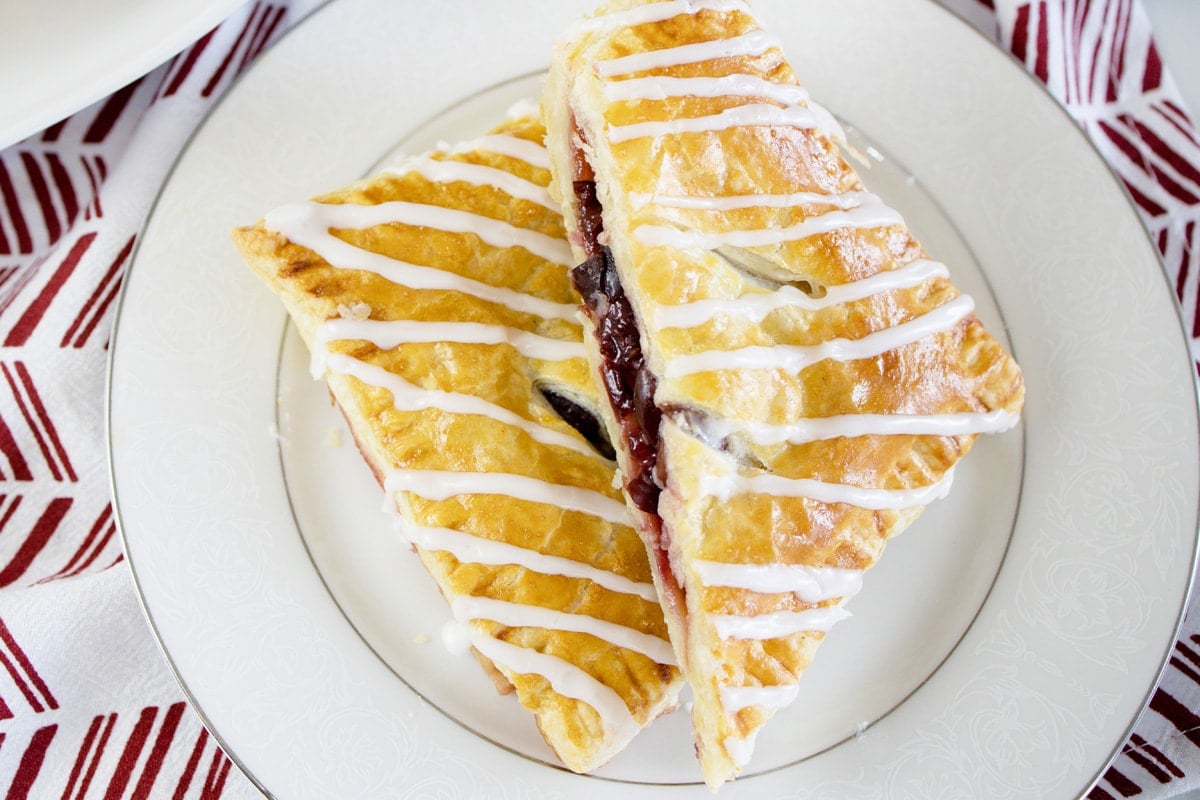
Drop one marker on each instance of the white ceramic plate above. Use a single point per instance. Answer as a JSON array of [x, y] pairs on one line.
[[1002, 648], [57, 56]]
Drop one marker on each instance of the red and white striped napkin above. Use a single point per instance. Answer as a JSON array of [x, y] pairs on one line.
[[88, 707], [1098, 57]]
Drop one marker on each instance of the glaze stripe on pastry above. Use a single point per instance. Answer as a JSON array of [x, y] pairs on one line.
[[439, 485], [803, 431], [496, 233], [653, 12], [810, 584], [476, 550], [503, 144], [442, 171], [387, 334], [517, 614], [436, 304], [409, 397], [721, 487], [754, 43], [790, 377], [306, 225], [867, 215], [757, 305], [794, 358]]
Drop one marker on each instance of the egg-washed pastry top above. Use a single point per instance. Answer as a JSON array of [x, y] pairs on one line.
[[436, 303], [791, 378]]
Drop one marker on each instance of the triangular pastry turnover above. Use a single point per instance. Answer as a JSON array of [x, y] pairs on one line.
[[791, 378], [436, 303]]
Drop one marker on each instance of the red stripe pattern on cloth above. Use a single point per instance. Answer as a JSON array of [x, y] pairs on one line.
[[1099, 59], [71, 202], [1110, 77]]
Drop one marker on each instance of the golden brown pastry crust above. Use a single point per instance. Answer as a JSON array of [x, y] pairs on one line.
[[397, 440], [960, 369]]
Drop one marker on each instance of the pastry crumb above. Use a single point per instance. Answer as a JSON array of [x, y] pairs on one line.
[[421, 638], [334, 439], [522, 109], [403, 164], [357, 311]]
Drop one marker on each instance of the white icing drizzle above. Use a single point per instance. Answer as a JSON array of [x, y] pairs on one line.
[[723, 487], [778, 623], [565, 678], [827, 122], [440, 484], [526, 109], [821, 428], [387, 334], [869, 215], [477, 175], [735, 698], [756, 306], [504, 144], [407, 396], [660, 87], [844, 201], [353, 216], [477, 550], [754, 43], [809, 584], [794, 358], [518, 615], [456, 637], [653, 12], [740, 750], [307, 225], [750, 114]]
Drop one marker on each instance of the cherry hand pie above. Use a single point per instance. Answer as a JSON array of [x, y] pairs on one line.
[[436, 303], [790, 378]]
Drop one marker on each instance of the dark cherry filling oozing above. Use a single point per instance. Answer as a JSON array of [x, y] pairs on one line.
[[581, 420], [627, 382], [629, 385]]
